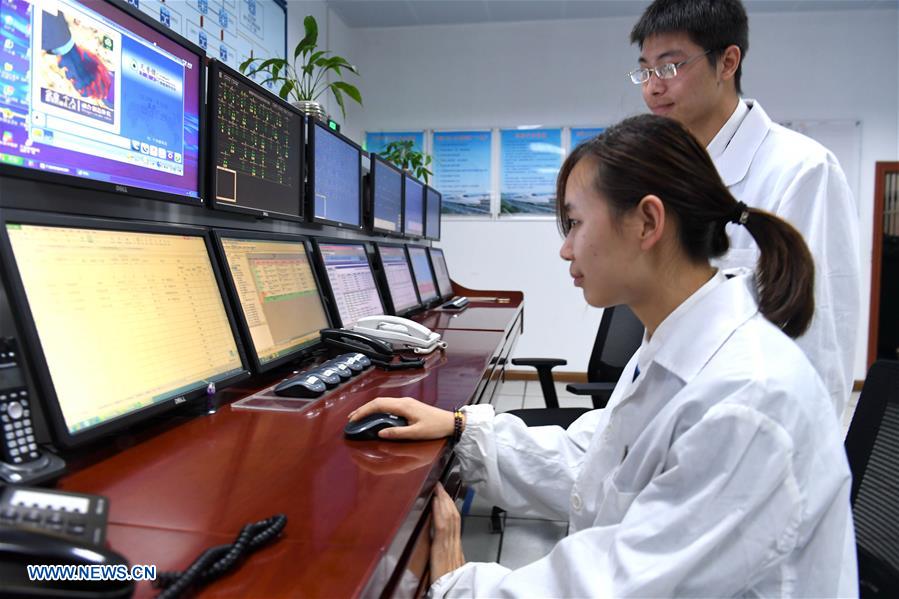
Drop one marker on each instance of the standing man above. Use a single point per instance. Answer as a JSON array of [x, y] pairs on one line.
[[691, 55]]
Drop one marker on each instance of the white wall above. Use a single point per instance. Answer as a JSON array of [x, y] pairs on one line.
[[831, 65]]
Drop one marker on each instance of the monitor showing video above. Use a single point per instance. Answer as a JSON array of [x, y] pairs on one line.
[[92, 95]]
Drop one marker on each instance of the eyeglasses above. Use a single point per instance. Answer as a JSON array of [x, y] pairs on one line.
[[663, 71]]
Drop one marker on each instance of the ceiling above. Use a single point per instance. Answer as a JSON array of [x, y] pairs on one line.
[[410, 13]]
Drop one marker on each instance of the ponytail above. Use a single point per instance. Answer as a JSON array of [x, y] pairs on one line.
[[652, 155], [785, 273]]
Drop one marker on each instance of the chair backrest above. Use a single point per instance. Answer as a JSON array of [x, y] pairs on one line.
[[872, 447], [620, 335]]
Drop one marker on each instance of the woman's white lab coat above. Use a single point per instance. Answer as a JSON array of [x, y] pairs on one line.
[[719, 471], [770, 167]]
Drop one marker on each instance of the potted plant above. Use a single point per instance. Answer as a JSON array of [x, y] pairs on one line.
[[303, 80], [402, 154]]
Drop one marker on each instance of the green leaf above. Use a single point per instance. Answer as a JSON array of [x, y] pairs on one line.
[[349, 90], [339, 99], [285, 90], [247, 63], [309, 42]]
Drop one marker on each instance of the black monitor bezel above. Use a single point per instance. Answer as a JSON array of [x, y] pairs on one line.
[[406, 234], [250, 349], [371, 196], [329, 295], [385, 283], [28, 329], [430, 251], [427, 202], [18, 172], [311, 135], [436, 299], [212, 115]]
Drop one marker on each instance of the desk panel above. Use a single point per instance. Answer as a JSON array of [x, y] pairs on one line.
[[354, 505]]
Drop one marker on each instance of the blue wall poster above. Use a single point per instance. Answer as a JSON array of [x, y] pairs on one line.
[[462, 171], [530, 161], [376, 141], [581, 134]]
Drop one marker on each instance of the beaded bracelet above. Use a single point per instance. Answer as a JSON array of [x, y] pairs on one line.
[[457, 425]]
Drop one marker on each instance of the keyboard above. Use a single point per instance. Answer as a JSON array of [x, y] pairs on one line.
[[457, 303]]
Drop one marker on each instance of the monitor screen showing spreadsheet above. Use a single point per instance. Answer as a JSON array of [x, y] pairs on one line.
[[400, 284], [386, 196], [422, 270], [414, 213], [335, 177], [278, 293], [126, 319], [352, 283], [91, 94], [444, 284], [257, 142]]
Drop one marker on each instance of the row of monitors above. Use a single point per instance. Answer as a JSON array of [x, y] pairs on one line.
[[96, 94], [123, 320]]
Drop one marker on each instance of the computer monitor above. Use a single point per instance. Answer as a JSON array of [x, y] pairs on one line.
[[398, 275], [335, 178], [122, 320], [414, 209], [433, 203], [441, 273], [424, 278], [256, 148], [97, 95], [272, 281], [351, 284], [386, 197]]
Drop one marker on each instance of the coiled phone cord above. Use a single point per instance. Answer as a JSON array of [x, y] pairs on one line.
[[215, 561]]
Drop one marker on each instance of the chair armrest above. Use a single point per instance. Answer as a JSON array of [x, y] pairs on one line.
[[535, 362], [600, 392]]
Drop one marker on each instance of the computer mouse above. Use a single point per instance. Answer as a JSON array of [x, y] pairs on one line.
[[361, 359], [328, 375], [367, 428], [342, 369], [302, 385], [350, 362]]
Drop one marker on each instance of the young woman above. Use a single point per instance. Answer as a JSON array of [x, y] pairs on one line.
[[717, 468]]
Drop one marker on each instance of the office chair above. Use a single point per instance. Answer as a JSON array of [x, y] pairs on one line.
[[620, 334], [872, 447]]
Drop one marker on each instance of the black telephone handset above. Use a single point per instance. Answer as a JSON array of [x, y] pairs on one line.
[[349, 341], [49, 527]]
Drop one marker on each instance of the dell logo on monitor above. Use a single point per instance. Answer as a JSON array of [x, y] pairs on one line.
[[121, 188], [179, 400]]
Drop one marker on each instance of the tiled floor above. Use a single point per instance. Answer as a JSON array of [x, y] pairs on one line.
[[525, 539]]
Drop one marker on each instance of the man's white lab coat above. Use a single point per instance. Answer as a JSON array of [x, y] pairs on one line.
[[719, 471], [770, 167]]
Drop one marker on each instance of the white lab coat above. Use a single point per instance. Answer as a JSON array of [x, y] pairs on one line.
[[770, 167], [720, 471]]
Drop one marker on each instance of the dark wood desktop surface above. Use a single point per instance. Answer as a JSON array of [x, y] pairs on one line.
[[352, 507]]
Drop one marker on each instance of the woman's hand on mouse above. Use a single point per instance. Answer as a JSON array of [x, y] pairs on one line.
[[425, 422]]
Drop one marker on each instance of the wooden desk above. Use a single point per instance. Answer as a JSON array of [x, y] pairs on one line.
[[357, 511]]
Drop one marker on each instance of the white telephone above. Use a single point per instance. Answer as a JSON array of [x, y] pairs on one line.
[[401, 333]]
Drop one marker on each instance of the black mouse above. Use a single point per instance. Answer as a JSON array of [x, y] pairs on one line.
[[302, 385], [367, 428], [328, 375]]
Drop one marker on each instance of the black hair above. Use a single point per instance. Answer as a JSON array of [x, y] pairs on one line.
[[654, 155], [711, 24]]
